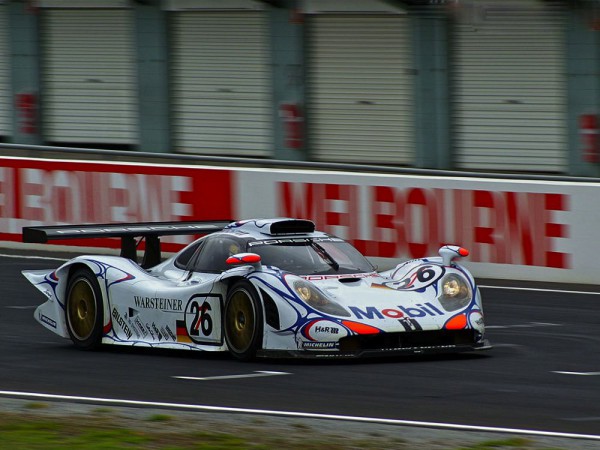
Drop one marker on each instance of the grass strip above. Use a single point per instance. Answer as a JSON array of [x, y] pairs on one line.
[[103, 429]]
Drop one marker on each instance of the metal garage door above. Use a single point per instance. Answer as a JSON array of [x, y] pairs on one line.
[[509, 96], [88, 78], [221, 83], [5, 104], [360, 88]]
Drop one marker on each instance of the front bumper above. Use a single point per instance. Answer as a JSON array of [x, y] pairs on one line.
[[394, 344]]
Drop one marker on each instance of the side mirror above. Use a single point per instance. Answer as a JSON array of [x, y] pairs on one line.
[[242, 259], [451, 252]]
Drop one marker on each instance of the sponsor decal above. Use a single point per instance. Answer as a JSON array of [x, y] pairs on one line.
[[140, 327], [476, 320], [294, 240], [417, 310], [337, 277], [133, 328], [151, 332], [323, 330], [164, 333], [319, 345], [170, 333], [410, 324], [47, 320], [122, 323], [418, 349], [163, 304], [157, 331], [330, 330]]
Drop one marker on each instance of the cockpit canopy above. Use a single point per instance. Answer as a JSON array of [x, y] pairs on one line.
[[299, 255]]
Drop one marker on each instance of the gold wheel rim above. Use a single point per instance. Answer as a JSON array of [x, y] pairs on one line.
[[241, 321], [81, 309]]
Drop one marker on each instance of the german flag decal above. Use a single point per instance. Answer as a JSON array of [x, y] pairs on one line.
[[182, 334]]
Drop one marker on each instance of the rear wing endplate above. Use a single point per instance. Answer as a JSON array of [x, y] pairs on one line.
[[128, 232]]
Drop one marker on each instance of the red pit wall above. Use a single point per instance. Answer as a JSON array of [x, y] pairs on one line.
[[43, 192], [497, 227]]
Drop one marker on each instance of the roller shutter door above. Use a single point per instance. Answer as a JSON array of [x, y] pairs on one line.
[[509, 96], [221, 83], [88, 79], [360, 89], [5, 104]]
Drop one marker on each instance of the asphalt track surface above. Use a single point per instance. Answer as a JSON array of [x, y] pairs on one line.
[[542, 374]]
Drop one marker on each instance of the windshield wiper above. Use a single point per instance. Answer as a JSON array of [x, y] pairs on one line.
[[325, 255]]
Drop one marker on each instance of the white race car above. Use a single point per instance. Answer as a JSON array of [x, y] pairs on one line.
[[273, 287]]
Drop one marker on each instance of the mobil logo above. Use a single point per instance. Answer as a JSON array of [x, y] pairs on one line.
[[416, 310]]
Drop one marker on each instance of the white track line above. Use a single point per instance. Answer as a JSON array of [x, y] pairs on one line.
[[260, 373], [524, 325], [224, 409], [576, 373], [559, 291], [49, 258]]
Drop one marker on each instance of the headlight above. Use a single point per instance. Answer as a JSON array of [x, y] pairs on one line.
[[317, 300], [456, 293]]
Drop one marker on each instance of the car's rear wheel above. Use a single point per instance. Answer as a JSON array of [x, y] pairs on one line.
[[243, 321], [84, 311]]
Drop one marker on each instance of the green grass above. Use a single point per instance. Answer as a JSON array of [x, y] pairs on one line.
[[36, 405], [32, 433], [160, 418], [502, 444], [32, 430]]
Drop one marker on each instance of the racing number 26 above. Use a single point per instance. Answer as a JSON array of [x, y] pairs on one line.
[[202, 319]]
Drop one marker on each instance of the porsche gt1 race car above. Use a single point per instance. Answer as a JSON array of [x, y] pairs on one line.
[[272, 287]]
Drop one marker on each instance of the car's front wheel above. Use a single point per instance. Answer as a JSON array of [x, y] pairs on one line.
[[243, 321], [84, 312]]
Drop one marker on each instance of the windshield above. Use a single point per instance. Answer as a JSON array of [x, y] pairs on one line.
[[319, 256]]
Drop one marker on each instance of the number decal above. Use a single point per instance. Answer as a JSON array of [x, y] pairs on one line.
[[203, 319], [418, 278], [425, 274], [195, 310]]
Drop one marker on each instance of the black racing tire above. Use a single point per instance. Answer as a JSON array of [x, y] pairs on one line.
[[243, 321], [84, 311]]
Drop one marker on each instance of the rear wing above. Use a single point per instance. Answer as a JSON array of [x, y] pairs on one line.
[[128, 232]]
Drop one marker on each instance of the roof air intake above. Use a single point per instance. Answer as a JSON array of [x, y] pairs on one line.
[[292, 226]]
